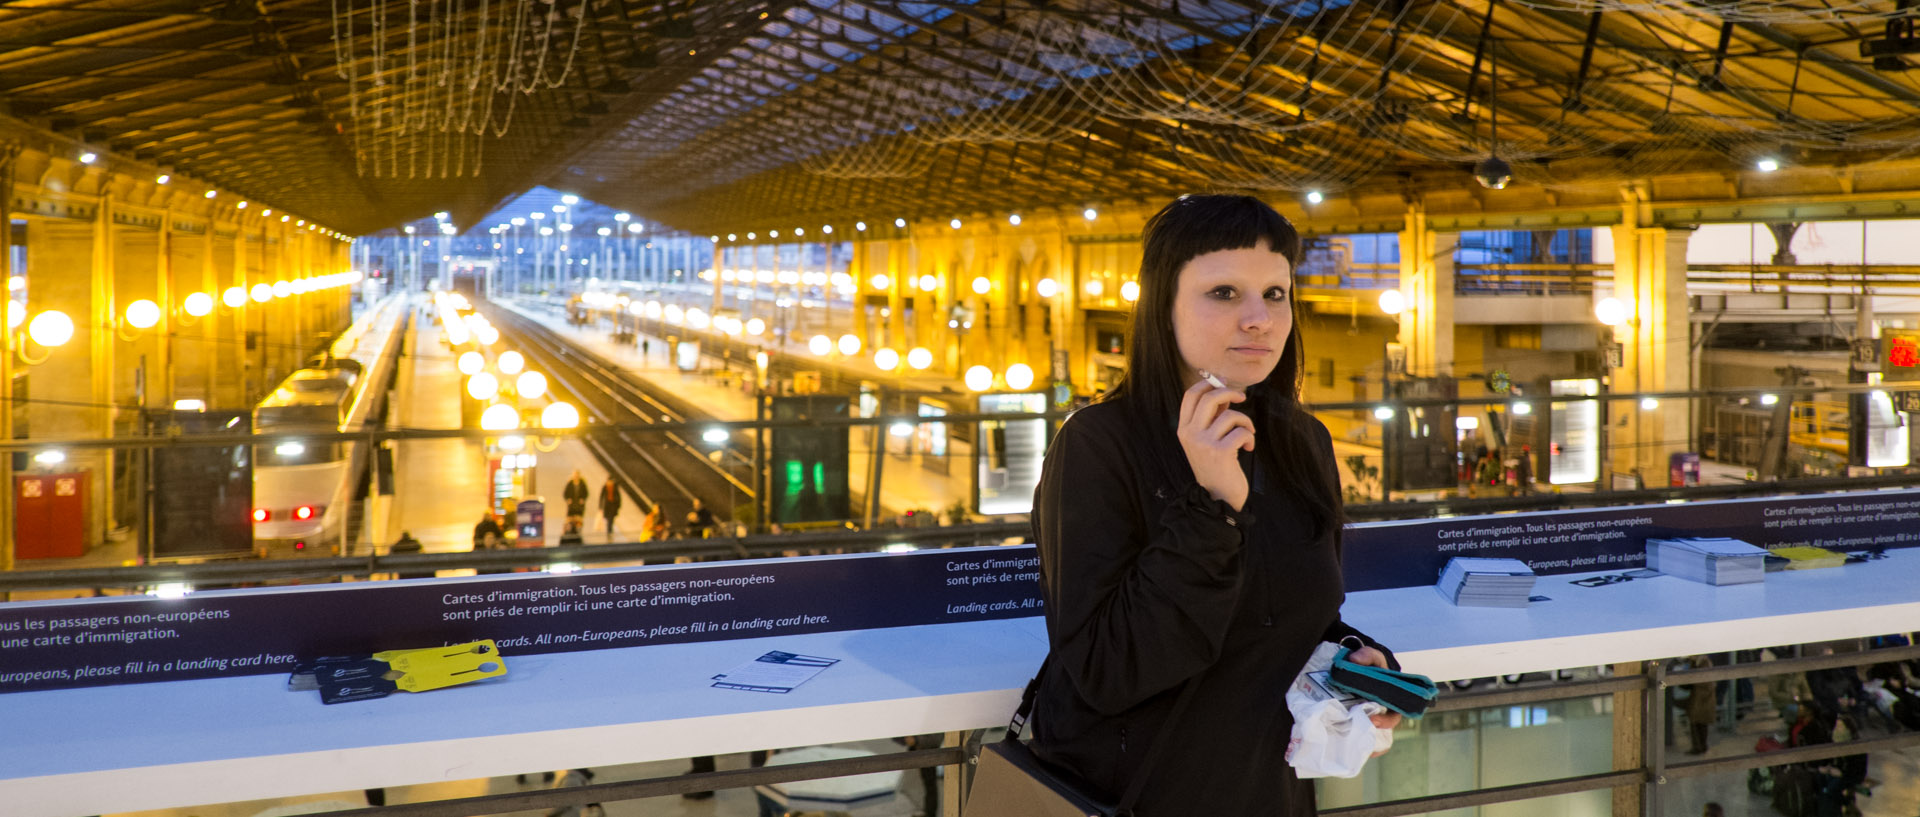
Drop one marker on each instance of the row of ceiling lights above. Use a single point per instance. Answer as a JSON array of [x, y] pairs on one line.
[[1018, 376], [1089, 214], [1013, 219], [52, 327], [88, 157], [981, 285]]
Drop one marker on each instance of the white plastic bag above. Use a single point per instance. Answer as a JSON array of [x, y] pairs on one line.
[[1332, 735]]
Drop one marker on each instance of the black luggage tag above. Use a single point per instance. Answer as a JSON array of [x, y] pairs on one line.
[[356, 680], [362, 690], [305, 675], [357, 670]]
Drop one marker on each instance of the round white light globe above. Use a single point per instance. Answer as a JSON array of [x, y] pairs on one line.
[[1019, 376], [50, 328], [530, 384], [979, 378], [143, 314]]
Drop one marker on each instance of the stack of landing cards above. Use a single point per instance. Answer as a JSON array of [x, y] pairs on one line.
[[1469, 582], [1709, 560]]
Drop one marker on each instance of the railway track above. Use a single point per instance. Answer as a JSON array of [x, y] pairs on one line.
[[664, 468]]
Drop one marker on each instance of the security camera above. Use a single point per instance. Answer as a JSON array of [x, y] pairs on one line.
[[1493, 173]]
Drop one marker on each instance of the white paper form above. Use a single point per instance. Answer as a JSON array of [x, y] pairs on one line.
[[777, 672]]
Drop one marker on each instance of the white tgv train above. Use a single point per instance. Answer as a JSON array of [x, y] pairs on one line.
[[304, 490]]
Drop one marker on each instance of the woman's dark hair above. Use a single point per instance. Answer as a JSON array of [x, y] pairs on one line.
[[1186, 229]]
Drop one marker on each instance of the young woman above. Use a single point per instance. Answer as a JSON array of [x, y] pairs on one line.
[[1189, 533]]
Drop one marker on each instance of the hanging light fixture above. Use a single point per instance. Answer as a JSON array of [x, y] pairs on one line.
[[1493, 172]]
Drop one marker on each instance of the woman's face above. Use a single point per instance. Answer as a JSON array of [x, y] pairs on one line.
[[1232, 313]]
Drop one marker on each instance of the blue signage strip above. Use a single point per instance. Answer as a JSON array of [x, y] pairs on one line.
[[54, 645], [1385, 555], [58, 645]]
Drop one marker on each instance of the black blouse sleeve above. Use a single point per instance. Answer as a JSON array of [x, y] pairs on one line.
[[1138, 601], [1340, 629]]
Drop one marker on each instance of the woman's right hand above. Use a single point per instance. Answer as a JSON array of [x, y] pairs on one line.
[[1213, 436]]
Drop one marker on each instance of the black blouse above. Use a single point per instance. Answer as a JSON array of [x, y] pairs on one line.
[[1150, 582]]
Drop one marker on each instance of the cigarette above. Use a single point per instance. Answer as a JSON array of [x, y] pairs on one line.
[[1208, 376]]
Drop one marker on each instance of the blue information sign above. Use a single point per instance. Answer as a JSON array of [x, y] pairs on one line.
[[93, 642], [530, 519]]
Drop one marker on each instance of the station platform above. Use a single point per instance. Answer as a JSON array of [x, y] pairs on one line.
[[910, 482], [441, 485]]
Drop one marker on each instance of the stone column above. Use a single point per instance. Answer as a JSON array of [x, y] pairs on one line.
[[1426, 279], [229, 324], [899, 279], [9, 156], [66, 393], [719, 299], [860, 269], [139, 379], [997, 313], [1071, 326], [195, 340], [1035, 310], [1650, 277]]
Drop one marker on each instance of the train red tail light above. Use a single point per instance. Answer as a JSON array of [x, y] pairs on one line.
[[303, 512], [262, 514], [299, 546]]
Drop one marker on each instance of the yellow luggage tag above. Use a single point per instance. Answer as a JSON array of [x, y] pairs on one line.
[[437, 667], [417, 670]]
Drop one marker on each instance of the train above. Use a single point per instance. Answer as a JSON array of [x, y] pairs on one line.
[[304, 491]]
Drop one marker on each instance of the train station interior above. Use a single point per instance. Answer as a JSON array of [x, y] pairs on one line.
[[618, 337]]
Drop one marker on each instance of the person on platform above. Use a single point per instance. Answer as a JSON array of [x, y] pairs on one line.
[[1487, 472], [653, 528], [1523, 471], [1703, 708], [700, 521], [487, 535], [1189, 533], [609, 504], [407, 546], [576, 494]]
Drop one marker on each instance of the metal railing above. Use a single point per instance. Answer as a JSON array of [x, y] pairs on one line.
[[1651, 772], [578, 796], [725, 547], [377, 562]]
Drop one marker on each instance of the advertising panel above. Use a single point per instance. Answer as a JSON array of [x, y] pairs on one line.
[[1008, 455]]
